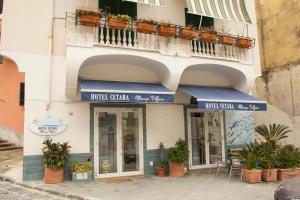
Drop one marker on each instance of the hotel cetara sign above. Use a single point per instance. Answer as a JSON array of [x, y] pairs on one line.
[[232, 106], [47, 125], [125, 97]]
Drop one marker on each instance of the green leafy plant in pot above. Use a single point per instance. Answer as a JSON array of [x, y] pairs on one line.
[[270, 148], [177, 155], [162, 164], [250, 156], [55, 158]]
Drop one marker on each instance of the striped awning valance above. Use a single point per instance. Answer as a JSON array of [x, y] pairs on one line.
[[149, 2], [234, 10]]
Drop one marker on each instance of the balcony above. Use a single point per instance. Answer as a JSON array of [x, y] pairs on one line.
[[129, 39]]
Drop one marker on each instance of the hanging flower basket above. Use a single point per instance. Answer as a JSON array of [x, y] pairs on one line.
[[208, 36], [188, 33], [167, 30], [244, 43], [89, 18], [119, 22], [228, 40], [147, 27]]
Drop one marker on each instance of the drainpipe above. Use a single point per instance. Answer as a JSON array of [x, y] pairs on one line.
[[49, 55]]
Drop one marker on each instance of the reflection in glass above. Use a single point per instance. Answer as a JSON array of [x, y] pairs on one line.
[[107, 143], [198, 139], [130, 135], [214, 133]]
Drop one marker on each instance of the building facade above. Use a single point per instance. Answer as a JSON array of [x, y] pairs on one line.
[[116, 94]]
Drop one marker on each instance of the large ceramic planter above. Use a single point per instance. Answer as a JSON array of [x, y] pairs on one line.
[[269, 175], [176, 169], [208, 36], [145, 27], [89, 19], [161, 171], [284, 174], [188, 33], [53, 176], [115, 23], [252, 176], [244, 43], [167, 30], [228, 40]]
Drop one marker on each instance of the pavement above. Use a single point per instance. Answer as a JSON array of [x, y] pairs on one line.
[[196, 185]]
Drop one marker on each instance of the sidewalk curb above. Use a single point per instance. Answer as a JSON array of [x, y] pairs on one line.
[[49, 191]]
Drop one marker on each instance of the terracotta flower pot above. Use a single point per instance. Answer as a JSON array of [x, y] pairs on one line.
[[167, 30], [117, 23], [53, 176], [188, 33], [284, 174], [208, 36], [228, 40], [176, 169], [252, 176], [161, 171], [145, 27], [269, 175], [244, 43], [89, 19]]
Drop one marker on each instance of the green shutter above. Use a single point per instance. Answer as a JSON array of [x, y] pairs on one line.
[[119, 7]]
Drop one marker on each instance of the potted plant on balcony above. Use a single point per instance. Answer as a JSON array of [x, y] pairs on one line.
[[55, 159], [167, 30], [289, 161], [177, 155], [227, 39], [188, 33], [161, 165], [250, 155], [146, 26], [89, 17], [208, 34], [271, 136], [119, 22], [82, 171], [244, 42]]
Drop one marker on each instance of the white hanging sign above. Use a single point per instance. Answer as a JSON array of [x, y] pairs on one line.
[[47, 125]]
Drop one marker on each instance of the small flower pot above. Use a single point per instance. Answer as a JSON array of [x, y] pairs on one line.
[[228, 40], [269, 175], [119, 24], [176, 169], [284, 174], [89, 18], [82, 177], [208, 36], [53, 176], [161, 171], [252, 176], [167, 30], [145, 27], [188, 33], [244, 43]]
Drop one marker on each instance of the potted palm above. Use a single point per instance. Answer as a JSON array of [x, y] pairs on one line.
[[82, 171], [161, 165], [188, 33], [289, 161], [167, 30], [146, 26], [118, 21], [55, 159], [271, 136], [177, 155], [250, 155]]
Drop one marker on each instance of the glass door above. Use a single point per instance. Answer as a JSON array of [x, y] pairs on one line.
[[118, 144], [205, 133]]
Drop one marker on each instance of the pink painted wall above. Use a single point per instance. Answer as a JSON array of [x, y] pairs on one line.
[[11, 114]]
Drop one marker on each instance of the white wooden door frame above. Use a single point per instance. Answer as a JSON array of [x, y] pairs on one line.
[[206, 137], [118, 112]]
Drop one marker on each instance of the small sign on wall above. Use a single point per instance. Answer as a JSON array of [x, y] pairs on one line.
[[47, 125]]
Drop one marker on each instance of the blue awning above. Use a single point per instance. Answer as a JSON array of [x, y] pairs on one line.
[[212, 98], [116, 91]]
